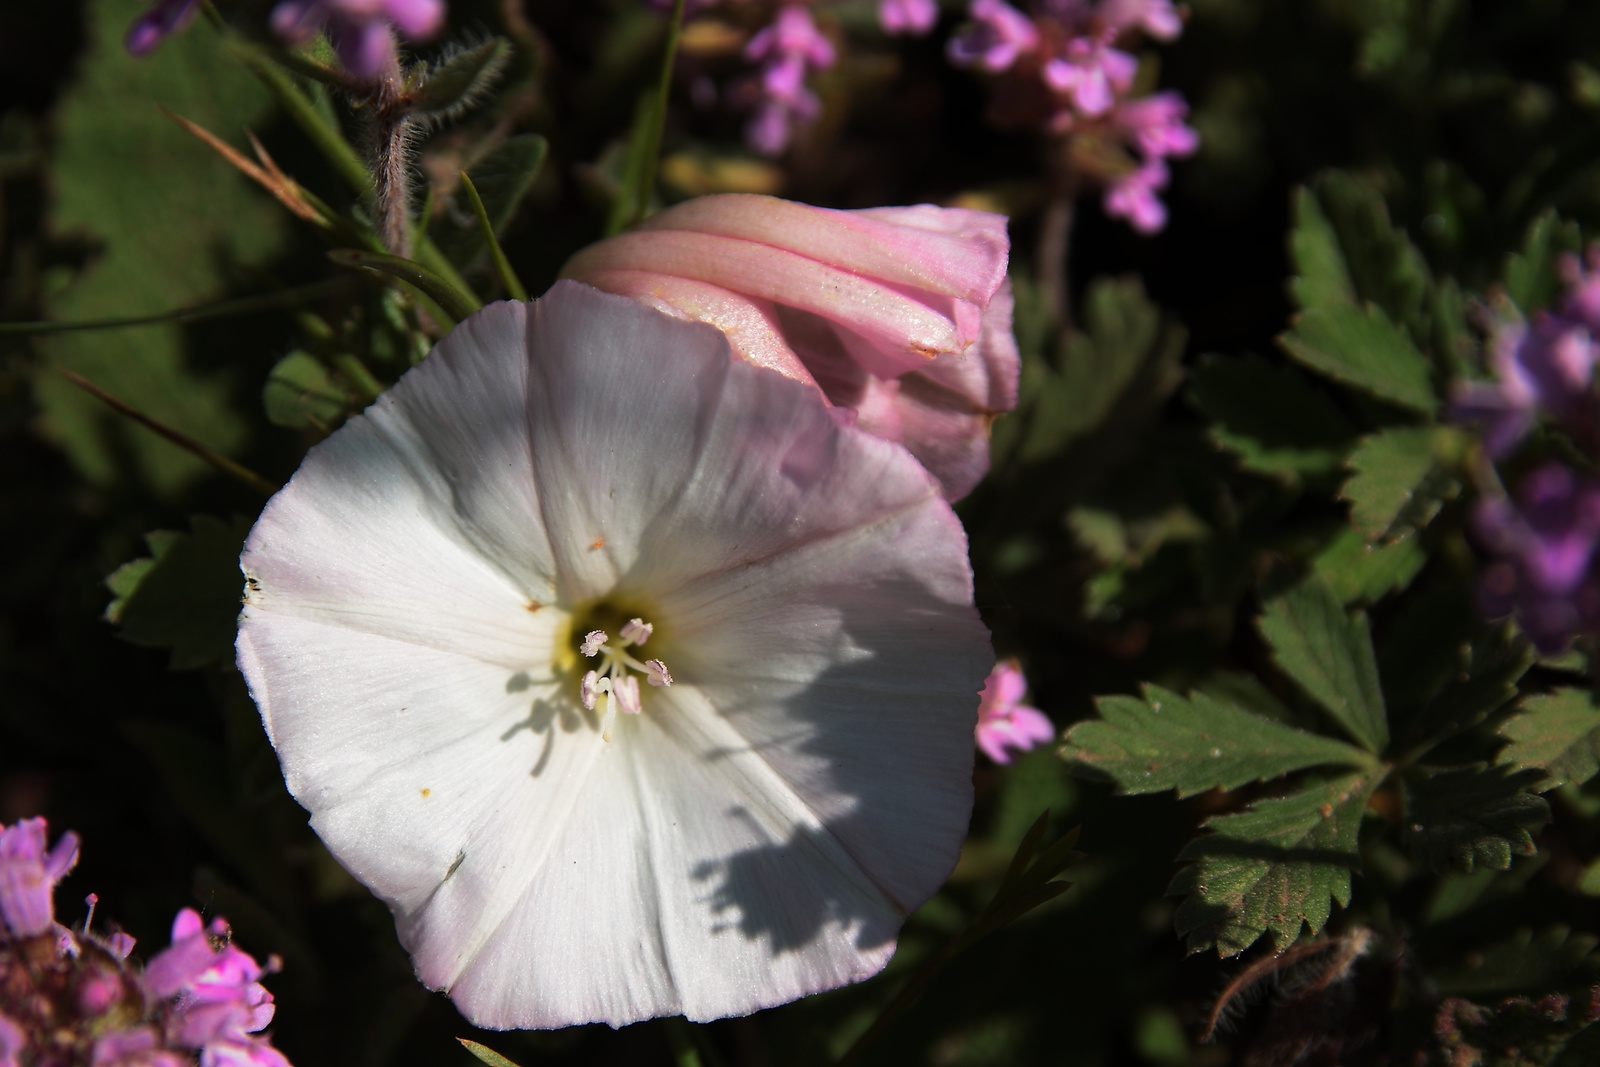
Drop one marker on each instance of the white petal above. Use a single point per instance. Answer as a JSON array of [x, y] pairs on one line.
[[689, 880]]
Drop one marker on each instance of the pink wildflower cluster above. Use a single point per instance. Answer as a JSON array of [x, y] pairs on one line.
[[362, 31], [1004, 721], [787, 50], [70, 996], [1061, 68]]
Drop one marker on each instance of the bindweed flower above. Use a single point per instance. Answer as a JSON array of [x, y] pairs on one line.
[[900, 314], [1542, 549], [70, 997], [1004, 721], [361, 31], [559, 490], [788, 49], [162, 19], [913, 17]]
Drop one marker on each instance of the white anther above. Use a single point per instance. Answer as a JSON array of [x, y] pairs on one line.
[[636, 631], [590, 689], [625, 687], [592, 642], [658, 673]]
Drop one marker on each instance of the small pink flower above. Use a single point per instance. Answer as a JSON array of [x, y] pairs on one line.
[[1158, 18], [1003, 720], [1156, 125], [1092, 73], [160, 20], [13, 1040], [29, 873], [219, 1000], [914, 17], [901, 315], [997, 36], [1133, 197], [789, 48]]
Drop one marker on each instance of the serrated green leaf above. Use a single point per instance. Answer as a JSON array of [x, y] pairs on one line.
[[461, 79], [1483, 684], [1329, 653], [1276, 866], [186, 596], [1396, 485], [1362, 348], [1123, 342], [1271, 417], [1524, 961], [170, 233], [300, 394], [1322, 279], [1385, 266], [1531, 278], [1558, 733], [1166, 741], [1357, 571], [1462, 818]]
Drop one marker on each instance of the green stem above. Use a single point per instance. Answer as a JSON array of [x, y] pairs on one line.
[[644, 149], [502, 265], [182, 440], [452, 301], [222, 309]]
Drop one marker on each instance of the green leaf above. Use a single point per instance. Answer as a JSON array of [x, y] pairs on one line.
[[502, 178], [1123, 354], [1385, 266], [1168, 742], [1463, 818], [1358, 571], [1273, 867], [1364, 349], [1522, 962], [1330, 654], [486, 1054], [1396, 485], [1517, 1032], [1557, 733], [170, 234], [460, 80], [186, 595], [1480, 686], [1530, 275], [644, 142], [300, 394], [1322, 279], [1271, 417], [497, 256], [456, 302]]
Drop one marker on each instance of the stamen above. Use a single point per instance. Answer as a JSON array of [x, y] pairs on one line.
[[636, 631], [593, 641], [589, 689], [658, 673], [625, 687], [88, 920], [609, 716]]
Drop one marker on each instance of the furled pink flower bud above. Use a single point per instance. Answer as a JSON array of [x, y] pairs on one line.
[[900, 314], [29, 873], [1004, 722]]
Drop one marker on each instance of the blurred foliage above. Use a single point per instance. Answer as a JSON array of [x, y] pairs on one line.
[[1224, 531]]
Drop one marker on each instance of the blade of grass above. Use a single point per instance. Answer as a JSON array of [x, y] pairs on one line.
[[502, 265], [245, 305], [644, 146], [452, 301], [182, 440]]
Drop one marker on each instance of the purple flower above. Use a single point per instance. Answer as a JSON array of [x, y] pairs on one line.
[[1003, 720], [914, 17], [29, 873], [995, 38], [1543, 547], [13, 1039], [1092, 74], [362, 31], [1158, 18], [1583, 288], [1547, 365], [788, 48], [1155, 123], [1133, 197], [163, 18]]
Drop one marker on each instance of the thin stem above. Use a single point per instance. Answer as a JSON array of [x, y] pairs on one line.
[[652, 153], [502, 265], [222, 309], [182, 440], [1055, 232]]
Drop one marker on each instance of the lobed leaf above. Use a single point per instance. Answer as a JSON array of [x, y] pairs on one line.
[[1484, 684], [1271, 417], [1385, 266], [1364, 349], [1525, 961], [1557, 733], [460, 79], [1322, 278], [1531, 277], [1166, 741], [1273, 867], [185, 596], [1396, 485], [1463, 818], [1358, 571], [1329, 653]]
